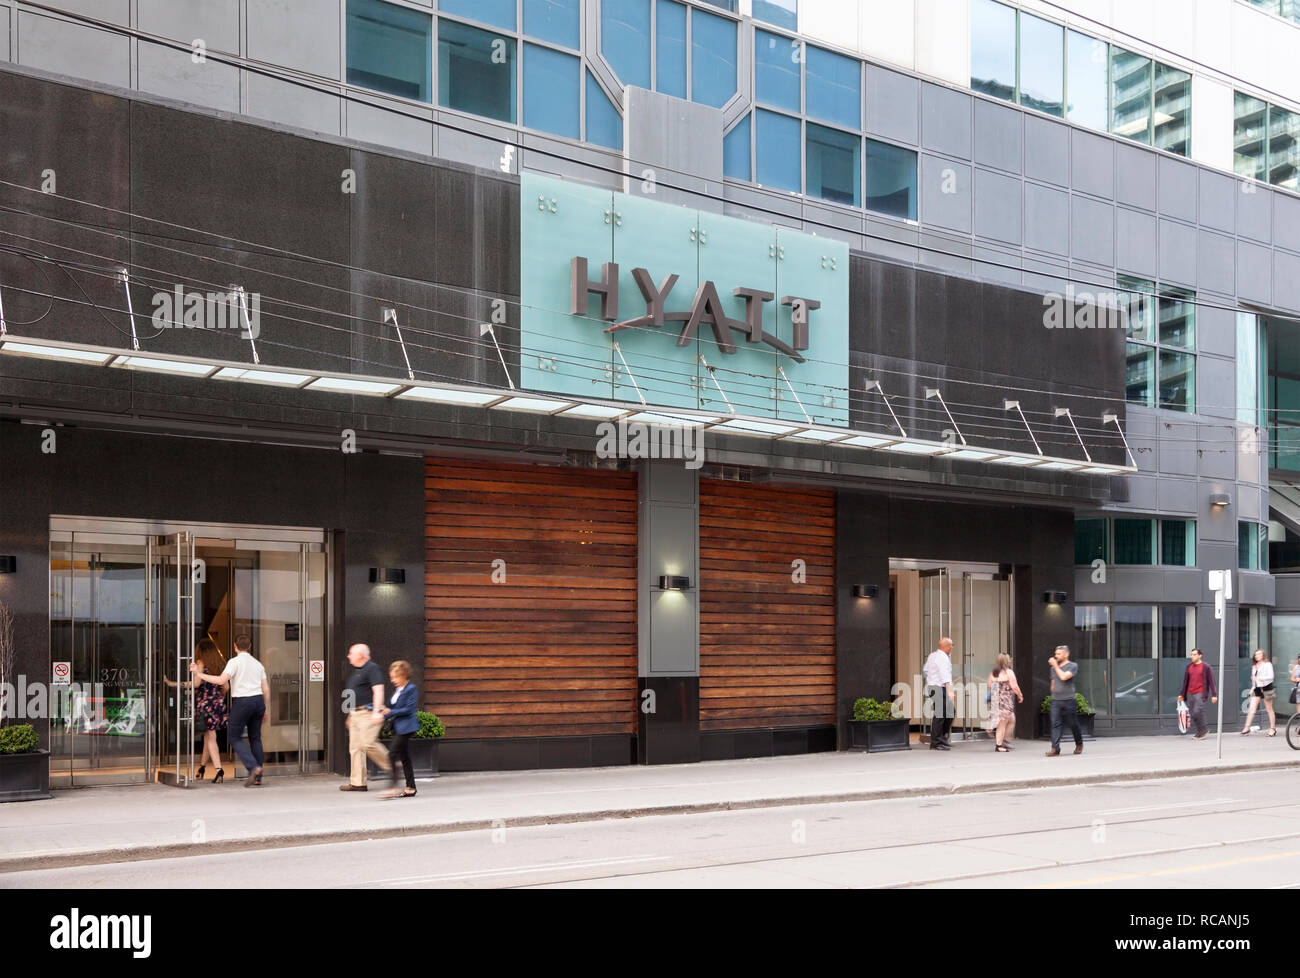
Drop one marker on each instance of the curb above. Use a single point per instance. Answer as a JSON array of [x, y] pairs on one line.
[[137, 853]]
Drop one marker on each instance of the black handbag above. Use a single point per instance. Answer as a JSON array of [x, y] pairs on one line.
[[1294, 691]]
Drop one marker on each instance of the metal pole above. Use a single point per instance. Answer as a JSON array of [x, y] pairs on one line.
[[1223, 624]]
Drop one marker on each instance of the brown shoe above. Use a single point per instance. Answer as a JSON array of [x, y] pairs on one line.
[[352, 787], [1053, 753], [1079, 749]]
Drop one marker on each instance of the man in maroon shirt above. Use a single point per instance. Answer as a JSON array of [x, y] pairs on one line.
[[1198, 683]]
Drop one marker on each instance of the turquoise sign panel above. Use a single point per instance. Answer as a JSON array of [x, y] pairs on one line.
[[707, 311]]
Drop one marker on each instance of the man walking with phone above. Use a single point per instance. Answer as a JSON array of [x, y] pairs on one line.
[[1064, 706]]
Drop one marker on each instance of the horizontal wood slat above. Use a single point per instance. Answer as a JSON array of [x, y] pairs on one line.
[[551, 650], [767, 643]]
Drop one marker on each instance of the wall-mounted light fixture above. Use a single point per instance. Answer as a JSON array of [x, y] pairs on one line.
[[8, 564], [1054, 597], [674, 582], [865, 590], [1220, 499], [388, 575]]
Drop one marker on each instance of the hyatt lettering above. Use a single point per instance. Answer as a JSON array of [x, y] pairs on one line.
[[706, 308]]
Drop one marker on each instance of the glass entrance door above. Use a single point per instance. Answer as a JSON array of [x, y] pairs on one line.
[[172, 593]]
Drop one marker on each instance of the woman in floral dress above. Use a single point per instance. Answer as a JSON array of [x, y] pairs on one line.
[[1006, 694]]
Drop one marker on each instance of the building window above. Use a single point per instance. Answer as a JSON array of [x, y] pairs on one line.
[[1266, 142], [1134, 657], [498, 13], [604, 125], [1177, 639], [625, 40], [776, 70], [1178, 543], [735, 151], [670, 48], [1087, 82], [1252, 628], [776, 150], [1042, 68], [1286, 9], [1144, 650], [1252, 546], [993, 49], [1173, 110], [476, 71], [1160, 356], [833, 88], [1091, 541], [891, 180], [834, 164], [555, 21], [1135, 541], [551, 91], [713, 59], [390, 49], [782, 13], [1091, 650], [1130, 96]]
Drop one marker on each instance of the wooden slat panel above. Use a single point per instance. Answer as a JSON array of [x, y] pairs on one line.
[[767, 644], [552, 650]]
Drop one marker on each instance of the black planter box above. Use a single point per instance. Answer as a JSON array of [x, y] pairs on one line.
[[25, 777], [424, 757], [875, 736], [1085, 726]]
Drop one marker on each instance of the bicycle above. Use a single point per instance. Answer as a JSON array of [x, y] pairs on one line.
[[1293, 731]]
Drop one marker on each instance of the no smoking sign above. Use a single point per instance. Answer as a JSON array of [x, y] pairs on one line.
[[316, 670], [62, 673]]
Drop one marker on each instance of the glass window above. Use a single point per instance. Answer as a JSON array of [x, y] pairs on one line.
[[1283, 147], [625, 39], [1135, 541], [1285, 632], [1140, 371], [993, 49], [891, 180], [604, 124], [735, 151], [834, 164], [1042, 68], [1178, 318], [1090, 541], [1178, 543], [782, 13], [1177, 639], [727, 5], [776, 150], [1130, 95], [551, 91], [390, 49], [670, 48], [1247, 546], [1250, 636], [1250, 121], [1262, 532], [776, 70], [1091, 650], [554, 20], [1137, 299], [498, 13], [834, 88], [1173, 116], [476, 71], [1135, 663], [1248, 368], [713, 59], [1177, 381], [1087, 86]]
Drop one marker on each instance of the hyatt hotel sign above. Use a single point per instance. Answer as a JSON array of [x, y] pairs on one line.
[[623, 297]]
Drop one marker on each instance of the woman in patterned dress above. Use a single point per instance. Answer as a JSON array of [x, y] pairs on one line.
[[210, 707], [1006, 694]]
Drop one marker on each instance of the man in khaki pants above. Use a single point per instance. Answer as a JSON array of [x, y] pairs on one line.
[[364, 695]]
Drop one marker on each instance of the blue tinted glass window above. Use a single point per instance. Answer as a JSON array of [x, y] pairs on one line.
[[1087, 80], [993, 49], [498, 13], [1042, 65], [625, 39], [390, 49], [834, 88], [891, 180], [777, 150], [735, 151], [604, 124], [782, 13], [550, 91], [713, 59], [834, 164], [476, 71], [776, 70], [1130, 95], [728, 5], [670, 49], [553, 20]]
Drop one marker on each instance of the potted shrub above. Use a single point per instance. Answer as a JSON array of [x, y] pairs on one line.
[[24, 768], [423, 745], [1086, 716], [874, 727]]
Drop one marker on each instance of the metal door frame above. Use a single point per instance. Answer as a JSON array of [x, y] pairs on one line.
[[158, 552]]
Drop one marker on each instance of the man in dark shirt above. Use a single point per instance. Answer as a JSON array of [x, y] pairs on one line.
[[363, 698], [1064, 706], [1198, 682]]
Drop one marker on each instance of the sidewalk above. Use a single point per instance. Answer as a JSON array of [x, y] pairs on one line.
[[99, 825]]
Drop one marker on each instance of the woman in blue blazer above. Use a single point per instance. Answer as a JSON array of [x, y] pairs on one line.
[[401, 710]]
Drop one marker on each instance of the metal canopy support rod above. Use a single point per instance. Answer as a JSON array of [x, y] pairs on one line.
[[934, 392], [1007, 406], [714, 378], [1114, 419], [125, 277], [248, 322], [2, 314], [391, 313], [631, 376], [781, 371], [486, 329], [1065, 412], [874, 385]]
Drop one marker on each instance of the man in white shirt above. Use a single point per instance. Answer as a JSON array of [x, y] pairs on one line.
[[939, 691], [249, 693]]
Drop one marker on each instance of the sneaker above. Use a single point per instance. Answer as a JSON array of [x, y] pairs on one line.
[[352, 787]]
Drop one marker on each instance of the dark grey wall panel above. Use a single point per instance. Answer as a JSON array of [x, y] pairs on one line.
[[1215, 263], [1092, 164], [1216, 382], [1254, 273], [1286, 222], [999, 132], [945, 120], [1177, 496], [1255, 212], [893, 106], [997, 206], [1178, 189], [1216, 330], [1135, 242], [1218, 201], [1135, 176], [1047, 219], [1286, 280], [1092, 228], [1047, 151], [948, 210], [1177, 253]]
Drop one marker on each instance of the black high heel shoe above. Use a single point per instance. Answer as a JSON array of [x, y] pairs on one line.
[[221, 776], [198, 775]]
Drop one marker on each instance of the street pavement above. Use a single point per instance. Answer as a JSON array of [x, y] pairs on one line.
[[154, 822]]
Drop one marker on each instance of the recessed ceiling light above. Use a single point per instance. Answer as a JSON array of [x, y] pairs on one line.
[[346, 385], [447, 395], [276, 378], [56, 353], [154, 364]]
